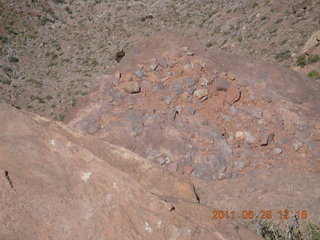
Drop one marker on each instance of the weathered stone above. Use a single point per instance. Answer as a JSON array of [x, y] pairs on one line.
[[117, 75], [191, 110], [233, 95], [221, 84], [131, 87], [277, 151], [153, 67], [249, 138], [190, 53], [203, 81], [178, 87], [189, 82], [162, 62], [201, 93], [267, 139], [139, 74], [172, 114], [239, 135]]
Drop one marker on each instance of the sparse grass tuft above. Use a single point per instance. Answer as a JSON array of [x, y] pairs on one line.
[[314, 74]]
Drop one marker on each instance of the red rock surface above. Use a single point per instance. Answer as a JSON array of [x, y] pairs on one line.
[[223, 133], [57, 183]]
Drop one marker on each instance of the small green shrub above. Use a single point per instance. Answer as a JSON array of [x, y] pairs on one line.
[[313, 58], [314, 74], [60, 117], [13, 59], [209, 44], [283, 55]]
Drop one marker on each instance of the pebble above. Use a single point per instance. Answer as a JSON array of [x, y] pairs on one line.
[[178, 87], [204, 81], [185, 49], [277, 151], [117, 75], [153, 67], [172, 114], [139, 74], [201, 93], [189, 82], [161, 161], [239, 165], [191, 110], [249, 138], [239, 135], [190, 53], [221, 84], [267, 140], [233, 95], [131, 87]]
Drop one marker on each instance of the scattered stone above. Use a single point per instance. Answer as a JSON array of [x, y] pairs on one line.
[[139, 74], [226, 118], [190, 53], [131, 87], [188, 67], [277, 151], [249, 138], [239, 135], [233, 110], [203, 81], [168, 100], [162, 62], [172, 114], [179, 109], [191, 90], [185, 49], [201, 93], [117, 75], [233, 95], [191, 110], [239, 165], [297, 145], [137, 127], [187, 170], [189, 82], [221, 84], [178, 87], [153, 67], [161, 161], [220, 176], [267, 140]]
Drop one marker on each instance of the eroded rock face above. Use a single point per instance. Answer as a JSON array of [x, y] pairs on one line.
[[182, 119], [57, 183]]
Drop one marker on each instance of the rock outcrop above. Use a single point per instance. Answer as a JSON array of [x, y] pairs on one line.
[[57, 183]]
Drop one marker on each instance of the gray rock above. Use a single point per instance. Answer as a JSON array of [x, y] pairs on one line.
[[139, 74], [191, 110], [190, 53], [189, 82], [201, 93], [249, 138], [160, 161], [221, 84], [267, 139], [178, 87], [172, 114], [277, 151], [239, 165], [233, 110], [179, 109], [131, 87], [153, 66], [137, 127]]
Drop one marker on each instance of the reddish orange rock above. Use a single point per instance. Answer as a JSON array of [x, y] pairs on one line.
[[233, 95]]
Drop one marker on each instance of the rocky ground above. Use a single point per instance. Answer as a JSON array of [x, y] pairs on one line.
[[181, 126], [53, 50]]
